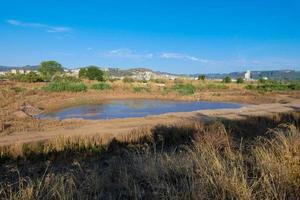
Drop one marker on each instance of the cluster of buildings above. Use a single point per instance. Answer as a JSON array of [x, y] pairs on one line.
[[137, 74], [20, 71]]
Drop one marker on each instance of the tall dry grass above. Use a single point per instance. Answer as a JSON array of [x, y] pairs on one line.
[[185, 161]]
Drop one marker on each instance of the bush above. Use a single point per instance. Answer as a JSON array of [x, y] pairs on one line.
[[128, 80], [239, 80], [185, 89], [274, 86], [31, 77], [14, 77], [294, 86], [65, 86], [101, 86], [92, 73], [227, 79], [49, 68], [250, 87], [201, 77]]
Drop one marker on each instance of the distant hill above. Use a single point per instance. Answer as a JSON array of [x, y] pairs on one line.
[[117, 72], [27, 67], [271, 74], [130, 72]]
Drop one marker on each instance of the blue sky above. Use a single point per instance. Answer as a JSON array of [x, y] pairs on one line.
[[175, 36]]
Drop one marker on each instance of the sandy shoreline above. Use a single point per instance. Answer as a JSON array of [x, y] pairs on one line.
[[114, 127]]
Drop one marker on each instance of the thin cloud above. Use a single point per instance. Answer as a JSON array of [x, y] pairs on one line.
[[46, 27], [182, 56], [127, 53]]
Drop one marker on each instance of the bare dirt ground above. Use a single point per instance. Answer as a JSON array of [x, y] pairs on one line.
[[18, 101], [114, 127]]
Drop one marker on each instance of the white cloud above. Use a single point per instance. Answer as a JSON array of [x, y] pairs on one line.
[[182, 56], [127, 53], [46, 27]]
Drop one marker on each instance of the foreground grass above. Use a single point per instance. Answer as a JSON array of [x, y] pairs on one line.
[[257, 158]]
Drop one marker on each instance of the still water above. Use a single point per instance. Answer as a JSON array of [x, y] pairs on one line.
[[133, 108]]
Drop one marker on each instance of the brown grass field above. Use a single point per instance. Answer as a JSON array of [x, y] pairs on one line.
[[254, 154]]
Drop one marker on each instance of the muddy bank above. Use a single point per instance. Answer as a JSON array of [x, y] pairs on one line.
[[111, 128]]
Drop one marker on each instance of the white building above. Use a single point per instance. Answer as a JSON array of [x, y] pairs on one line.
[[248, 75]]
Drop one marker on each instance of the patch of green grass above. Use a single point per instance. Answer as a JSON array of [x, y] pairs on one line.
[[140, 89], [65, 86], [185, 89], [101, 86], [274, 86], [213, 86]]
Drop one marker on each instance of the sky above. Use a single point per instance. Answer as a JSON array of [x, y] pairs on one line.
[[187, 36]]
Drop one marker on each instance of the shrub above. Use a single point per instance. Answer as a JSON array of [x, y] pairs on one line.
[[201, 77], [294, 86], [49, 68], [239, 80], [92, 73], [31, 77], [101, 86], [65, 86], [250, 87], [227, 79], [185, 89], [14, 77], [128, 80]]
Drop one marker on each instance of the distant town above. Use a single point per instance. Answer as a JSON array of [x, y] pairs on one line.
[[142, 73]]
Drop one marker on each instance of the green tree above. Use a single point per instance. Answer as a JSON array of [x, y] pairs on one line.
[[227, 79], [239, 80], [82, 73], [49, 68], [92, 73], [201, 77]]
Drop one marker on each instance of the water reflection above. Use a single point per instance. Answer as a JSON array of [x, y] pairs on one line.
[[133, 108]]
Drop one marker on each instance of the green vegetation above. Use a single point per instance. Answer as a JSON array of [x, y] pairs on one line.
[[31, 77], [92, 73], [101, 86], [227, 79], [159, 80], [65, 86], [213, 86], [66, 78], [185, 89], [255, 158], [269, 86], [239, 80], [141, 89], [128, 80], [201, 77], [48, 69]]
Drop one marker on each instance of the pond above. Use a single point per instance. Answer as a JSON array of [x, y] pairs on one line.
[[133, 108]]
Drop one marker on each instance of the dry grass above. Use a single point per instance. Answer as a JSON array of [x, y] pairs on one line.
[[221, 160]]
